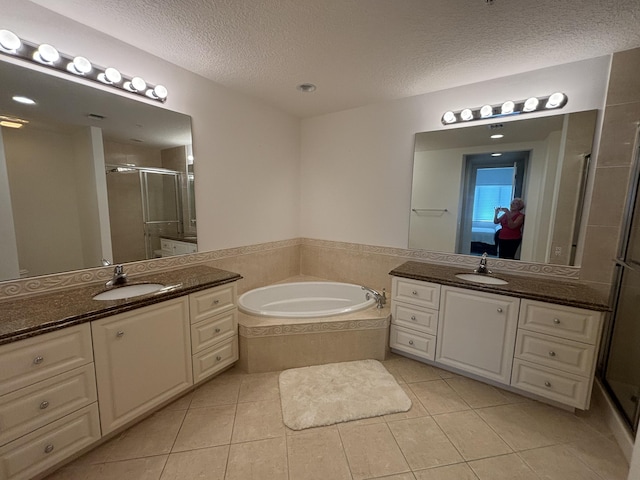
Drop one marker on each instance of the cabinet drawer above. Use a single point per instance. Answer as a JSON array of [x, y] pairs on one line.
[[42, 449], [421, 319], [550, 383], [419, 293], [554, 352], [420, 345], [212, 330], [214, 359], [211, 302], [561, 321], [29, 361], [32, 407], [166, 245]]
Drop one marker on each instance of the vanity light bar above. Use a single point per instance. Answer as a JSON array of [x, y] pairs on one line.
[[532, 104], [49, 56]]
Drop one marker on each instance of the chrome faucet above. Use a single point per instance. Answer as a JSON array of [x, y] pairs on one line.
[[119, 277], [482, 268], [380, 298]]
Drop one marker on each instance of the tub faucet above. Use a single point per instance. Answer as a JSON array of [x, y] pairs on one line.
[[119, 277], [380, 298], [482, 268]]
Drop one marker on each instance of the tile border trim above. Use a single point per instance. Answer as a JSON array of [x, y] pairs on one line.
[[312, 327]]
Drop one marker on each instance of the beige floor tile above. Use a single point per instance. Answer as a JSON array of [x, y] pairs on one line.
[[504, 467], [260, 460], [400, 476], [557, 463], [477, 394], [153, 436], [308, 455], [181, 403], [564, 426], [219, 391], [473, 438], [416, 410], [603, 456], [438, 397], [288, 431], [423, 443], [261, 387], [461, 471], [257, 421], [209, 463], [372, 451], [412, 371], [148, 468], [205, 427]]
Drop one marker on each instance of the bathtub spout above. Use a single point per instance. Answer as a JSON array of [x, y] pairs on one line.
[[380, 298]]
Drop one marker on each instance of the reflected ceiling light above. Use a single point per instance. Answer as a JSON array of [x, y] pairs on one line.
[[23, 100], [532, 104], [79, 66], [10, 124], [496, 154], [466, 114], [9, 41], [497, 135], [45, 54]]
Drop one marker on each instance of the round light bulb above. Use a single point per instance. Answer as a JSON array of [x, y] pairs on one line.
[[507, 107], [112, 75], [555, 100], [160, 91], [486, 111], [138, 84], [449, 117], [82, 65], [47, 54], [9, 41], [466, 114], [531, 104]]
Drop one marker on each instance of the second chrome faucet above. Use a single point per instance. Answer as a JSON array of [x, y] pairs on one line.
[[482, 268]]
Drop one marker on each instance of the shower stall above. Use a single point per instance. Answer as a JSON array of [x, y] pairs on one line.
[[145, 204]]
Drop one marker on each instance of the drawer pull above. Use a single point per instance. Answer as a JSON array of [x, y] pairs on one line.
[[547, 384], [216, 301], [413, 317], [217, 330], [48, 448], [218, 358], [499, 310], [120, 334], [44, 405], [414, 293], [556, 321], [410, 342], [38, 360], [552, 353]]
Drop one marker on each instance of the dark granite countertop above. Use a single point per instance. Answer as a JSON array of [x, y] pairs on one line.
[[573, 294], [181, 238], [32, 315]]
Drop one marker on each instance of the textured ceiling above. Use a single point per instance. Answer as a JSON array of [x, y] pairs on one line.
[[360, 51]]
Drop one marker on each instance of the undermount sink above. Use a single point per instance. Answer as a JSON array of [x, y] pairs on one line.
[[478, 278], [129, 291]]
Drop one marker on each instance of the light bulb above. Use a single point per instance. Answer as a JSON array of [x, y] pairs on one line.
[[556, 100], [466, 114], [79, 66], [46, 54], [138, 84], [159, 92], [23, 100], [486, 111], [496, 154], [449, 117], [9, 41], [497, 135], [531, 104], [507, 107]]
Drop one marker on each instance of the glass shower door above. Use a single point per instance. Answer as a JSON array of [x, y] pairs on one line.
[[161, 209]]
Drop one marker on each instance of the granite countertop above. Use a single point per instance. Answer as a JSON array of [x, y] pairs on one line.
[[573, 294], [28, 316], [181, 238]]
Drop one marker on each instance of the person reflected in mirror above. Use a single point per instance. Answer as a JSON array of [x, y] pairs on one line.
[[511, 221]]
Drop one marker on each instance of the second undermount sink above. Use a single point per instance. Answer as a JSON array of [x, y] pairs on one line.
[[129, 291], [478, 278]]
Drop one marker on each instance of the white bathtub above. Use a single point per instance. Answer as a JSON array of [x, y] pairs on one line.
[[304, 300]]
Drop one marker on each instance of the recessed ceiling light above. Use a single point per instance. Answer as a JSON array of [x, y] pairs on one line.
[[306, 87], [497, 135], [24, 100], [496, 154]]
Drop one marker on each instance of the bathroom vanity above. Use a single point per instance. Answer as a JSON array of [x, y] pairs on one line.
[[73, 375], [537, 336]]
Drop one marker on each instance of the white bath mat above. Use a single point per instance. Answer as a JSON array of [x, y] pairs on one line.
[[339, 392]]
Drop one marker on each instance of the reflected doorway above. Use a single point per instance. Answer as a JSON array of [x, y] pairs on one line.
[[490, 180]]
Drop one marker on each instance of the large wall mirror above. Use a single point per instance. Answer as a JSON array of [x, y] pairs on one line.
[[90, 175], [460, 176]]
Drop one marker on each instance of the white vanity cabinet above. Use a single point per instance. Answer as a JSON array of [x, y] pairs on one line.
[[48, 408], [477, 332], [169, 247], [214, 330], [555, 352], [143, 358]]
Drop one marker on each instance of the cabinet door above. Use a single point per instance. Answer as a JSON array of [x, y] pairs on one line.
[[142, 358], [477, 332]]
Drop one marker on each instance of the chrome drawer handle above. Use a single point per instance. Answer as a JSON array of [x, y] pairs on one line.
[[217, 330], [414, 293], [215, 302], [410, 342], [120, 334], [38, 360], [218, 358], [44, 405], [556, 321], [48, 448], [413, 317], [499, 310], [552, 353], [547, 384]]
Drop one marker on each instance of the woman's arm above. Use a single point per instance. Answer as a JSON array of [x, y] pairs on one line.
[[514, 224]]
